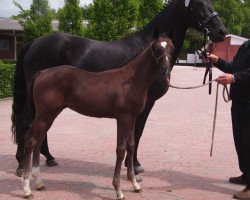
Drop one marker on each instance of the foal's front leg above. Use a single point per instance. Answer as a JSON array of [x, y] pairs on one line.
[[125, 129]]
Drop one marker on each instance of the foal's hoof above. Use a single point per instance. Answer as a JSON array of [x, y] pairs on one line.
[[138, 169], [138, 190], [123, 198], [40, 188], [30, 196], [138, 178], [19, 171], [51, 163]]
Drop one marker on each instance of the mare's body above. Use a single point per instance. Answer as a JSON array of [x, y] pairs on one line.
[[96, 56], [120, 94]]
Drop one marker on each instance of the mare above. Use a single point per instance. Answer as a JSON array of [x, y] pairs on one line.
[[119, 93], [96, 56]]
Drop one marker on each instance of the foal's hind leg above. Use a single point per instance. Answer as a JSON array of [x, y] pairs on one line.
[[36, 165], [34, 138], [29, 144]]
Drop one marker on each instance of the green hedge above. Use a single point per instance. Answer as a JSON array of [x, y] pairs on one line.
[[6, 79]]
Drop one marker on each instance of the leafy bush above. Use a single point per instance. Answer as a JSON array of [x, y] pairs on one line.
[[6, 79]]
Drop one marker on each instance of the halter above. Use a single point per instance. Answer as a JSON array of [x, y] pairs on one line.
[[162, 56], [205, 22]]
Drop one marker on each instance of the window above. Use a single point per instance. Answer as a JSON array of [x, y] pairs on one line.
[[4, 45]]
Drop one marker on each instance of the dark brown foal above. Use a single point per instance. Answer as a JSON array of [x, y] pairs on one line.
[[119, 94]]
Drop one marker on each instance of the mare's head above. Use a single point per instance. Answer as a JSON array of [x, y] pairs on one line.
[[162, 49], [201, 16]]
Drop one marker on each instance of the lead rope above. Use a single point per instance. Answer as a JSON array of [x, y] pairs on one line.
[[226, 99]]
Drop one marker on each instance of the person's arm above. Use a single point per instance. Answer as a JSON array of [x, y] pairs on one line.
[[223, 65]]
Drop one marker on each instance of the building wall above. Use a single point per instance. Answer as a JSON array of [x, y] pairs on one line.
[[9, 53], [225, 49]]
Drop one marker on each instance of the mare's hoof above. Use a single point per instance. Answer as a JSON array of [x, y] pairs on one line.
[[138, 190], [123, 198], [51, 163], [138, 178], [30, 196], [138, 169], [19, 171], [40, 188]]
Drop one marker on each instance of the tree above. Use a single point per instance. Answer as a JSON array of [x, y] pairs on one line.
[[36, 21], [70, 18], [148, 9], [110, 20], [232, 15], [246, 25]]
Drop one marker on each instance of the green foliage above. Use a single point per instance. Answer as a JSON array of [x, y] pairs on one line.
[[36, 21], [232, 15], [246, 24], [110, 20], [6, 79], [193, 41], [70, 18], [148, 10]]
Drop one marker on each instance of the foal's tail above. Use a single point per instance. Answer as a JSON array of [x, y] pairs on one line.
[[19, 95]]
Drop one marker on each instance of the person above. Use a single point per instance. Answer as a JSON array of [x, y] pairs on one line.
[[237, 74], [50, 160]]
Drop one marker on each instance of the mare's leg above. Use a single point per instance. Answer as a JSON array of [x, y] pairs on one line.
[[22, 128], [51, 162]]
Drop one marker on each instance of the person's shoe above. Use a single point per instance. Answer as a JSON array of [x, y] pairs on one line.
[[238, 180], [244, 194], [19, 171], [51, 163]]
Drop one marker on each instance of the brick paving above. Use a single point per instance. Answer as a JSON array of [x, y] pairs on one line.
[[174, 151]]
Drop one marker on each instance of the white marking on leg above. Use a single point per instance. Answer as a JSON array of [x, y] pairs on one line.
[[26, 186], [36, 176], [119, 193], [136, 185], [187, 3]]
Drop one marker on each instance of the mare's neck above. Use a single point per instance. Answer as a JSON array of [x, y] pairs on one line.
[[171, 20]]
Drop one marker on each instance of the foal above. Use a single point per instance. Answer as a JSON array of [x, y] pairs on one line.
[[119, 93]]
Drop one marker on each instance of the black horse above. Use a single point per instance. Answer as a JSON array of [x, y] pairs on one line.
[[96, 56]]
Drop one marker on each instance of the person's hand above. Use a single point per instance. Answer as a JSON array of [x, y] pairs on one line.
[[213, 58], [225, 79]]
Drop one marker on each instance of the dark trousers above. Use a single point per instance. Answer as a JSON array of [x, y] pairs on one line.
[[44, 151], [241, 131]]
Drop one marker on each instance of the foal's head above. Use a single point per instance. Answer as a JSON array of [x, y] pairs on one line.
[[162, 49]]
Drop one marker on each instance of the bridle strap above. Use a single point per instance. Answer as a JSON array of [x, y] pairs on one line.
[[204, 23], [162, 56]]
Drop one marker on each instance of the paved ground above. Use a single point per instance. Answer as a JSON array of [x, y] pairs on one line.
[[174, 151]]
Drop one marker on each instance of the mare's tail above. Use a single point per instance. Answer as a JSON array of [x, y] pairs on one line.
[[19, 96]]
